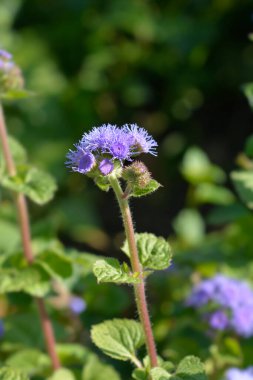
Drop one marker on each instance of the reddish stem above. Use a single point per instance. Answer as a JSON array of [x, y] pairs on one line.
[[136, 267], [23, 216]]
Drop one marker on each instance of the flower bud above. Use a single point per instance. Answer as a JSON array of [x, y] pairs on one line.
[[137, 174]]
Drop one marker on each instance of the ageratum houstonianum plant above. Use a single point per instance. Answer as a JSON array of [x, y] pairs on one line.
[[110, 156]]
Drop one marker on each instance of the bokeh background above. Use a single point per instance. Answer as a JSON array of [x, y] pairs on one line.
[[176, 68]]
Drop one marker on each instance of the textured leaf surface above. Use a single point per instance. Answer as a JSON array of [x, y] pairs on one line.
[[159, 374], [36, 184], [30, 361], [154, 252], [110, 270], [32, 280], [97, 370], [243, 181], [118, 338], [190, 368], [139, 191], [7, 373], [140, 374], [62, 374]]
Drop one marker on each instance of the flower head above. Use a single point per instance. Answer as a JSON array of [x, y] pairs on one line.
[[230, 300], [108, 143], [141, 140], [80, 160], [239, 374]]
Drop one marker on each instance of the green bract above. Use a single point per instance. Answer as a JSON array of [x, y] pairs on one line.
[[140, 191], [110, 270], [118, 338], [154, 252]]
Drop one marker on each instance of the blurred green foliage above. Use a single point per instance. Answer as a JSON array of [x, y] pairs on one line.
[[177, 68]]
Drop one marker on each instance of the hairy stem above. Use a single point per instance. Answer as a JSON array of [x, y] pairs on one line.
[[24, 223], [136, 267]]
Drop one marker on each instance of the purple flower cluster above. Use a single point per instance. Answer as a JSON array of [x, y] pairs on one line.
[[107, 143], [226, 303], [239, 374], [6, 63]]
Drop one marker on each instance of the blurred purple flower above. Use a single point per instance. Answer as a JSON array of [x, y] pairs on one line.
[[5, 55], [231, 300], [239, 374], [77, 305]]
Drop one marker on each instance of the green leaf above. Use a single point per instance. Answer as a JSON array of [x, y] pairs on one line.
[[140, 374], [154, 252], [190, 368], [16, 94], [197, 168], [36, 184], [139, 191], [30, 361], [18, 154], [9, 238], [118, 338], [248, 149], [110, 270], [189, 226], [243, 182], [248, 92], [158, 373], [71, 353], [94, 369], [32, 280], [7, 373], [62, 374], [83, 262], [55, 263], [210, 193]]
